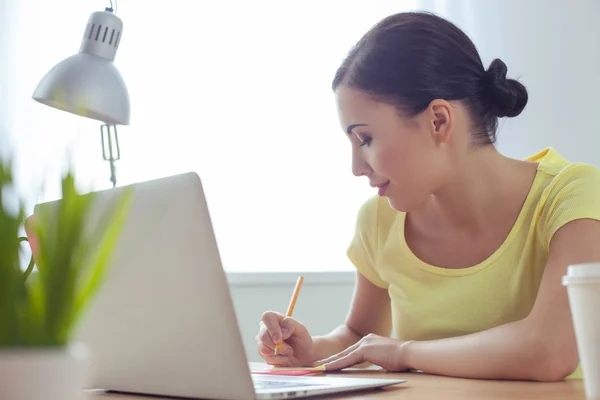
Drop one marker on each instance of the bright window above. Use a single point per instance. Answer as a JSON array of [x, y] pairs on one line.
[[237, 91]]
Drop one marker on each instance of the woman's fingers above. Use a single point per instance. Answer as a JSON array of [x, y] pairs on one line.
[[264, 337], [278, 361], [338, 355], [272, 321], [349, 360], [286, 350]]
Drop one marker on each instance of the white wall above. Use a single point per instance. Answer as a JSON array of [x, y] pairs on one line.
[[554, 47], [6, 72], [322, 304]]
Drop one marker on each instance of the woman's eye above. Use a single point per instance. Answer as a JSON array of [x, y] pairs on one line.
[[365, 141]]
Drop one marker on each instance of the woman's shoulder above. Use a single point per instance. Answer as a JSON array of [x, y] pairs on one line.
[[559, 174], [567, 191]]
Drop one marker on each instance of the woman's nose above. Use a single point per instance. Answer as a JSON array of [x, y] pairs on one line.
[[360, 167]]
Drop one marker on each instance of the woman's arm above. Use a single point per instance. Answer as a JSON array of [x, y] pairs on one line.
[[539, 347], [369, 313]]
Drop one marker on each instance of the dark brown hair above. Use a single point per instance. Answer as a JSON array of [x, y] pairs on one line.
[[410, 59]]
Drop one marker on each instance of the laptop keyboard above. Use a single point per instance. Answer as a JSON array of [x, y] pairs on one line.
[[280, 384]]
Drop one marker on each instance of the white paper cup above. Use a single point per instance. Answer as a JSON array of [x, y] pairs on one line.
[[583, 287]]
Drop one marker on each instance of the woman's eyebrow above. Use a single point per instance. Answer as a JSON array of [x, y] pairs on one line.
[[350, 127]]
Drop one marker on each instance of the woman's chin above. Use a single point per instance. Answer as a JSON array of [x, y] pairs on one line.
[[401, 205]]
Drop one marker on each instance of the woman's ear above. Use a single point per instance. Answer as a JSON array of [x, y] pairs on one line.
[[440, 116]]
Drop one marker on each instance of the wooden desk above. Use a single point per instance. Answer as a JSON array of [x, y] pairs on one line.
[[429, 387]]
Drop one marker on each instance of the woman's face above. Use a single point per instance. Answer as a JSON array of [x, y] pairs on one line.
[[406, 159]]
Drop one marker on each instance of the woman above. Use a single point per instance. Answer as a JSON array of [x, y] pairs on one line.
[[461, 254]]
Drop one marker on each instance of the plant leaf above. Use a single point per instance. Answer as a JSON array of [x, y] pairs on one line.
[[42, 310], [99, 262]]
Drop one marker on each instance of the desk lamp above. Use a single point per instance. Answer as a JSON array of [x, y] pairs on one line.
[[89, 85]]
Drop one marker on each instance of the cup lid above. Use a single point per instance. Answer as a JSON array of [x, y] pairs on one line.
[[585, 270]]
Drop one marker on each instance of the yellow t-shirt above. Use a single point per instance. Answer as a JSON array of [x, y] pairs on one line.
[[430, 302]]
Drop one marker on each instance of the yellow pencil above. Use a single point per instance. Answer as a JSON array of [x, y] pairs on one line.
[[290, 309]]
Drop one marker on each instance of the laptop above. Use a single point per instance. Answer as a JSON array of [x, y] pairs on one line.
[[164, 322]]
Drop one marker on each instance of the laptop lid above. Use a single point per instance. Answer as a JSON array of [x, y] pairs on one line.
[[164, 322]]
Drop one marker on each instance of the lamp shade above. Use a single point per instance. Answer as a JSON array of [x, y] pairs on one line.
[[88, 83]]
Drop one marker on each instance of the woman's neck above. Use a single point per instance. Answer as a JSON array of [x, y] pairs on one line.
[[479, 192]]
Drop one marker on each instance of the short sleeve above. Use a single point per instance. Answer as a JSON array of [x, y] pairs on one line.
[[575, 194], [363, 247]]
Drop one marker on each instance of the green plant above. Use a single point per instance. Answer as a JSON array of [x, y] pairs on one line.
[[44, 308]]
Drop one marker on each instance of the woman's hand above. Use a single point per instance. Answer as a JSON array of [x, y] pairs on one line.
[[378, 350], [297, 347]]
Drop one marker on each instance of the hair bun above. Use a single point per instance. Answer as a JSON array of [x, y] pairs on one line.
[[507, 97]]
